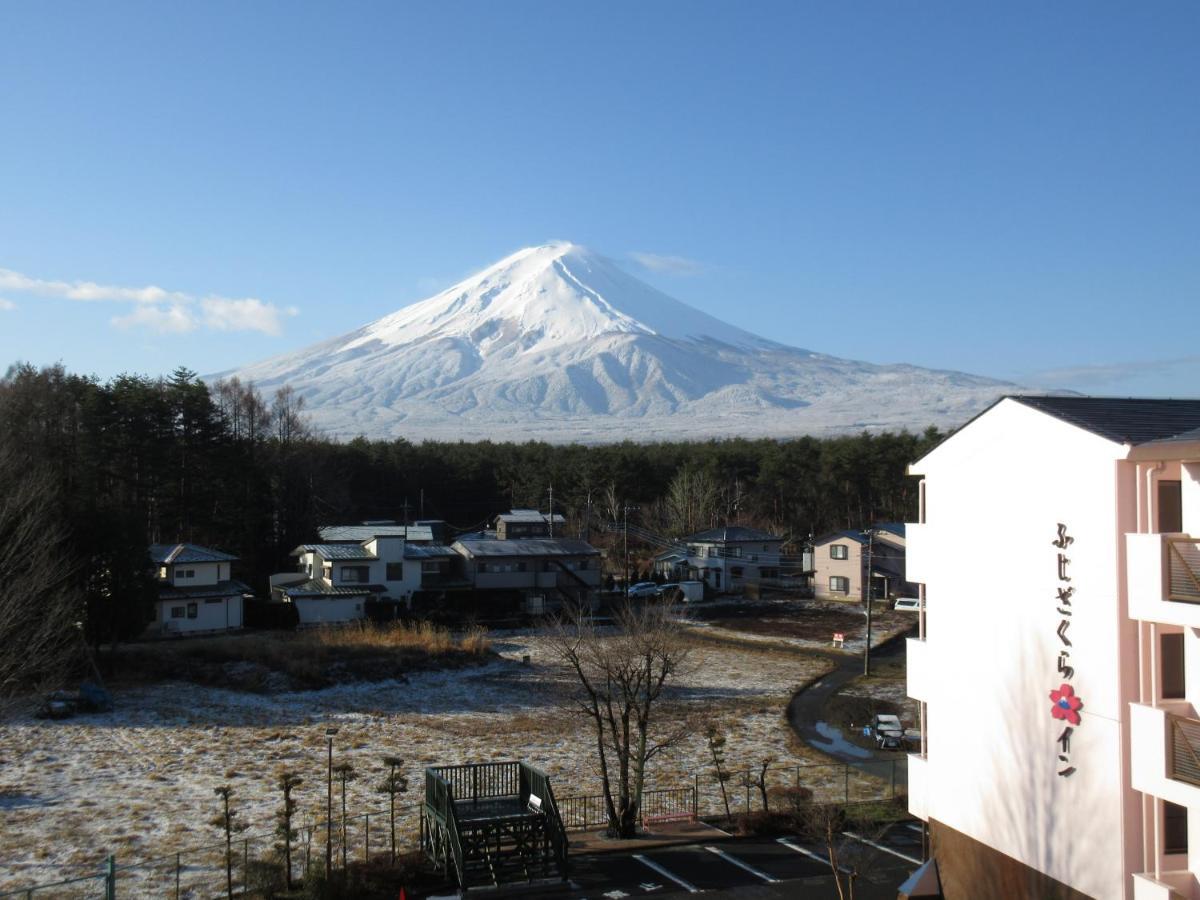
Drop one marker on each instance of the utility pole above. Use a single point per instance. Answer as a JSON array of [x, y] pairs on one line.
[[552, 509], [627, 509], [869, 534]]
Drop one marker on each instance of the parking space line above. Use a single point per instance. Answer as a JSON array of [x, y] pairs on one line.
[[666, 873], [817, 856], [863, 840], [743, 865]]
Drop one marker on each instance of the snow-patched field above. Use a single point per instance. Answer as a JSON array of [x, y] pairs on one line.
[[138, 782]]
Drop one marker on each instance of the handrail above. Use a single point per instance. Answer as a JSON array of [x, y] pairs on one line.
[[439, 800], [534, 780], [1183, 569]]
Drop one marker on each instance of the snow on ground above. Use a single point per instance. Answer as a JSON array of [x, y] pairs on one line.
[[138, 781]]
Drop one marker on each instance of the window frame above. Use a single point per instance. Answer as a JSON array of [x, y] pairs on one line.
[[834, 580], [834, 550]]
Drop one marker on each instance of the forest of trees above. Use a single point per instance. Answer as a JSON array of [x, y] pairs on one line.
[[138, 460]]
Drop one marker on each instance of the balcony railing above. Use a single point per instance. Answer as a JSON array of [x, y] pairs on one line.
[[1184, 749], [1183, 569]]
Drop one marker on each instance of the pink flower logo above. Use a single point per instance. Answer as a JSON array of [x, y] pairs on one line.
[[1066, 704]]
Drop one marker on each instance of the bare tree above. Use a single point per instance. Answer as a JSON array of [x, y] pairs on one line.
[[41, 605], [691, 501], [621, 673], [827, 823]]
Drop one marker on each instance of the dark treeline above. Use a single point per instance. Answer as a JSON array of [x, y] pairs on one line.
[[138, 460]]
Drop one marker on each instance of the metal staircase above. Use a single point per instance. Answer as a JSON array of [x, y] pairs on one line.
[[493, 824]]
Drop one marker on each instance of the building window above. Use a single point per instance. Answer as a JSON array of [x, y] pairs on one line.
[[193, 610], [839, 551], [356, 574], [177, 612], [395, 571], [327, 572], [736, 552], [1175, 830], [736, 571], [431, 568], [712, 552], [1171, 660], [839, 584]]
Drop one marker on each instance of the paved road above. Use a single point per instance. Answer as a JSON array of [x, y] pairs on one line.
[[807, 707]]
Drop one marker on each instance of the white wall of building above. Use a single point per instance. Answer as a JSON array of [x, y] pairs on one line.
[[202, 574], [219, 614], [992, 641], [329, 610]]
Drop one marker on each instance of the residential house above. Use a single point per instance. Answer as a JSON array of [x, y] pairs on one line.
[[733, 556], [528, 523], [342, 580], [1057, 681], [839, 563], [196, 590], [530, 574]]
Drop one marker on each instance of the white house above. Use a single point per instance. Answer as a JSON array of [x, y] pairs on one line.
[[1057, 666], [730, 557], [196, 591], [334, 581]]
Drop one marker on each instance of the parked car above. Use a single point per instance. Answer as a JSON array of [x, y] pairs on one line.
[[908, 604], [889, 733], [643, 589]]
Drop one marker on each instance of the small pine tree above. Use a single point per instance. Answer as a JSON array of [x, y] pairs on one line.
[[716, 747], [345, 772], [392, 785], [227, 820], [287, 782]]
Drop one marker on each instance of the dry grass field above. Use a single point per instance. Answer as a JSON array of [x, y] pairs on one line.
[[139, 781]]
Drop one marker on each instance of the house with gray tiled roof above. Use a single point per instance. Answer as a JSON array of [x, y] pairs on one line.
[[336, 580], [731, 557], [196, 590]]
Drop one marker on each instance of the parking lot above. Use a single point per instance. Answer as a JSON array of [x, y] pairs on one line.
[[768, 867]]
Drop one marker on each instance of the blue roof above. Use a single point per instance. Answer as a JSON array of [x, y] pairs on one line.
[[175, 554]]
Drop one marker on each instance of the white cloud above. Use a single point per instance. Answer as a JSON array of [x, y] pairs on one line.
[[159, 310], [1118, 376], [672, 265], [7, 305], [175, 319], [250, 314]]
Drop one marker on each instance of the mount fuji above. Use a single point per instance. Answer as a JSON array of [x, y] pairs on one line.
[[560, 344]]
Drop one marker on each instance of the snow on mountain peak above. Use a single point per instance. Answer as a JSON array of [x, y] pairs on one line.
[[541, 297], [560, 343]]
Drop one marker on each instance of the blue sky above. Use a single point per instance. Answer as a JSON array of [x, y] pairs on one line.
[[1005, 189]]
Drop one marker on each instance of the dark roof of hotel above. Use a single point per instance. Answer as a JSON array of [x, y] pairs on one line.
[[733, 533], [1126, 420]]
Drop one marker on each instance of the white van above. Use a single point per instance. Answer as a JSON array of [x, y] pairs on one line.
[[910, 604]]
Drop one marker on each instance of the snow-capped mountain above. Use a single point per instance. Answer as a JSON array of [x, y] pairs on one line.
[[558, 343]]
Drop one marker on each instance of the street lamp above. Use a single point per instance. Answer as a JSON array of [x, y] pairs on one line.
[[329, 733]]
